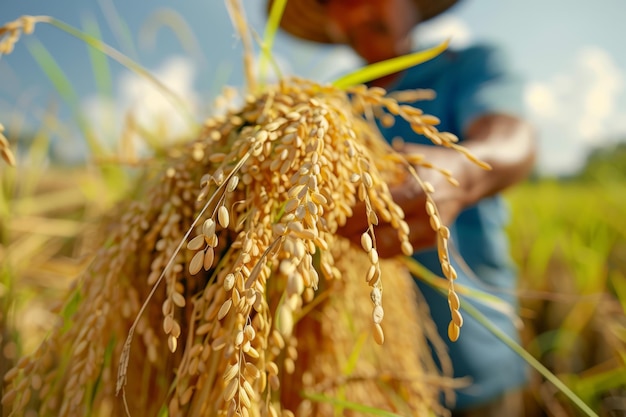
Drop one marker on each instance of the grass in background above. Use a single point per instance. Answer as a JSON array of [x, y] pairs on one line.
[[569, 241]]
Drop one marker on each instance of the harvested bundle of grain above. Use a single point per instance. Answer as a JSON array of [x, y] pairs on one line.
[[240, 227]]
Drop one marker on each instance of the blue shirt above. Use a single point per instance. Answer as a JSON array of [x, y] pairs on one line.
[[470, 83]]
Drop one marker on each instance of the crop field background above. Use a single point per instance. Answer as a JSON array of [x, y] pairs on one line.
[[568, 238]]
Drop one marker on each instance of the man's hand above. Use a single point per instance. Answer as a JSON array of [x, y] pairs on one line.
[[506, 143]]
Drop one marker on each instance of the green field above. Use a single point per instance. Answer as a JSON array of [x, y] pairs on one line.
[[569, 241]]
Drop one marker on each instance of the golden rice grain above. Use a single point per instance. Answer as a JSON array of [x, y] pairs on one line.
[[244, 398], [435, 223], [453, 331], [231, 371], [168, 324], [7, 155], [223, 217], [224, 309], [366, 242], [172, 343], [457, 319], [219, 343], [452, 275], [373, 254], [407, 248], [231, 390], [454, 301], [379, 335], [209, 257], [178, 299], [253, 353], [208, 228], [196, 263], [378, 314], [229, 282]]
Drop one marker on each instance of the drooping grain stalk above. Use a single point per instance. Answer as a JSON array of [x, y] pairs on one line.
[[281, 175], [262, 302]]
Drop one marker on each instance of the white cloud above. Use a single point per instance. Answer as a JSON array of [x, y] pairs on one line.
[[606, 84], [149, 105], [151, 109], [444, 27], [577, 110], [541, 99]]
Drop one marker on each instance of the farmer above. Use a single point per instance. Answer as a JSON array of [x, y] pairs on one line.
[[479, 101]]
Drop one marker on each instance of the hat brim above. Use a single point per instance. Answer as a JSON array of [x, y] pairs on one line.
[[307, 19]]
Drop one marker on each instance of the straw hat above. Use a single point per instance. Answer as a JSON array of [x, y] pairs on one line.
[[307, 19]]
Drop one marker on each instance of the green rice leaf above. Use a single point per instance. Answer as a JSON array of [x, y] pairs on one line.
[[390, 66], [278, 7], [118, 26], [99, 63], [166, 17], [64, 87]]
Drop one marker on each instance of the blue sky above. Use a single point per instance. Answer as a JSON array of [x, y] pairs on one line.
[[569, 53]]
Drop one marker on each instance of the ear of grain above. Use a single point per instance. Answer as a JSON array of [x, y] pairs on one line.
[[266, 186]]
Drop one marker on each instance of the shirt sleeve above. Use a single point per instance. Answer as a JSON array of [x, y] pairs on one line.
[[485, 84]]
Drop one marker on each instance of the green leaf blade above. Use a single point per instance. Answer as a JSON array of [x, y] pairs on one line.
[[380, 69]]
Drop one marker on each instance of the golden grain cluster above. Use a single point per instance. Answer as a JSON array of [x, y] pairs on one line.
[[222, 289]]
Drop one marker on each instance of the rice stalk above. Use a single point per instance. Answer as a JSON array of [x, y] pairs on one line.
[[165, 17], [255, 200]]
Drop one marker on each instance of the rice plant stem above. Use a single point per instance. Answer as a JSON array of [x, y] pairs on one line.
[[271, 28]]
